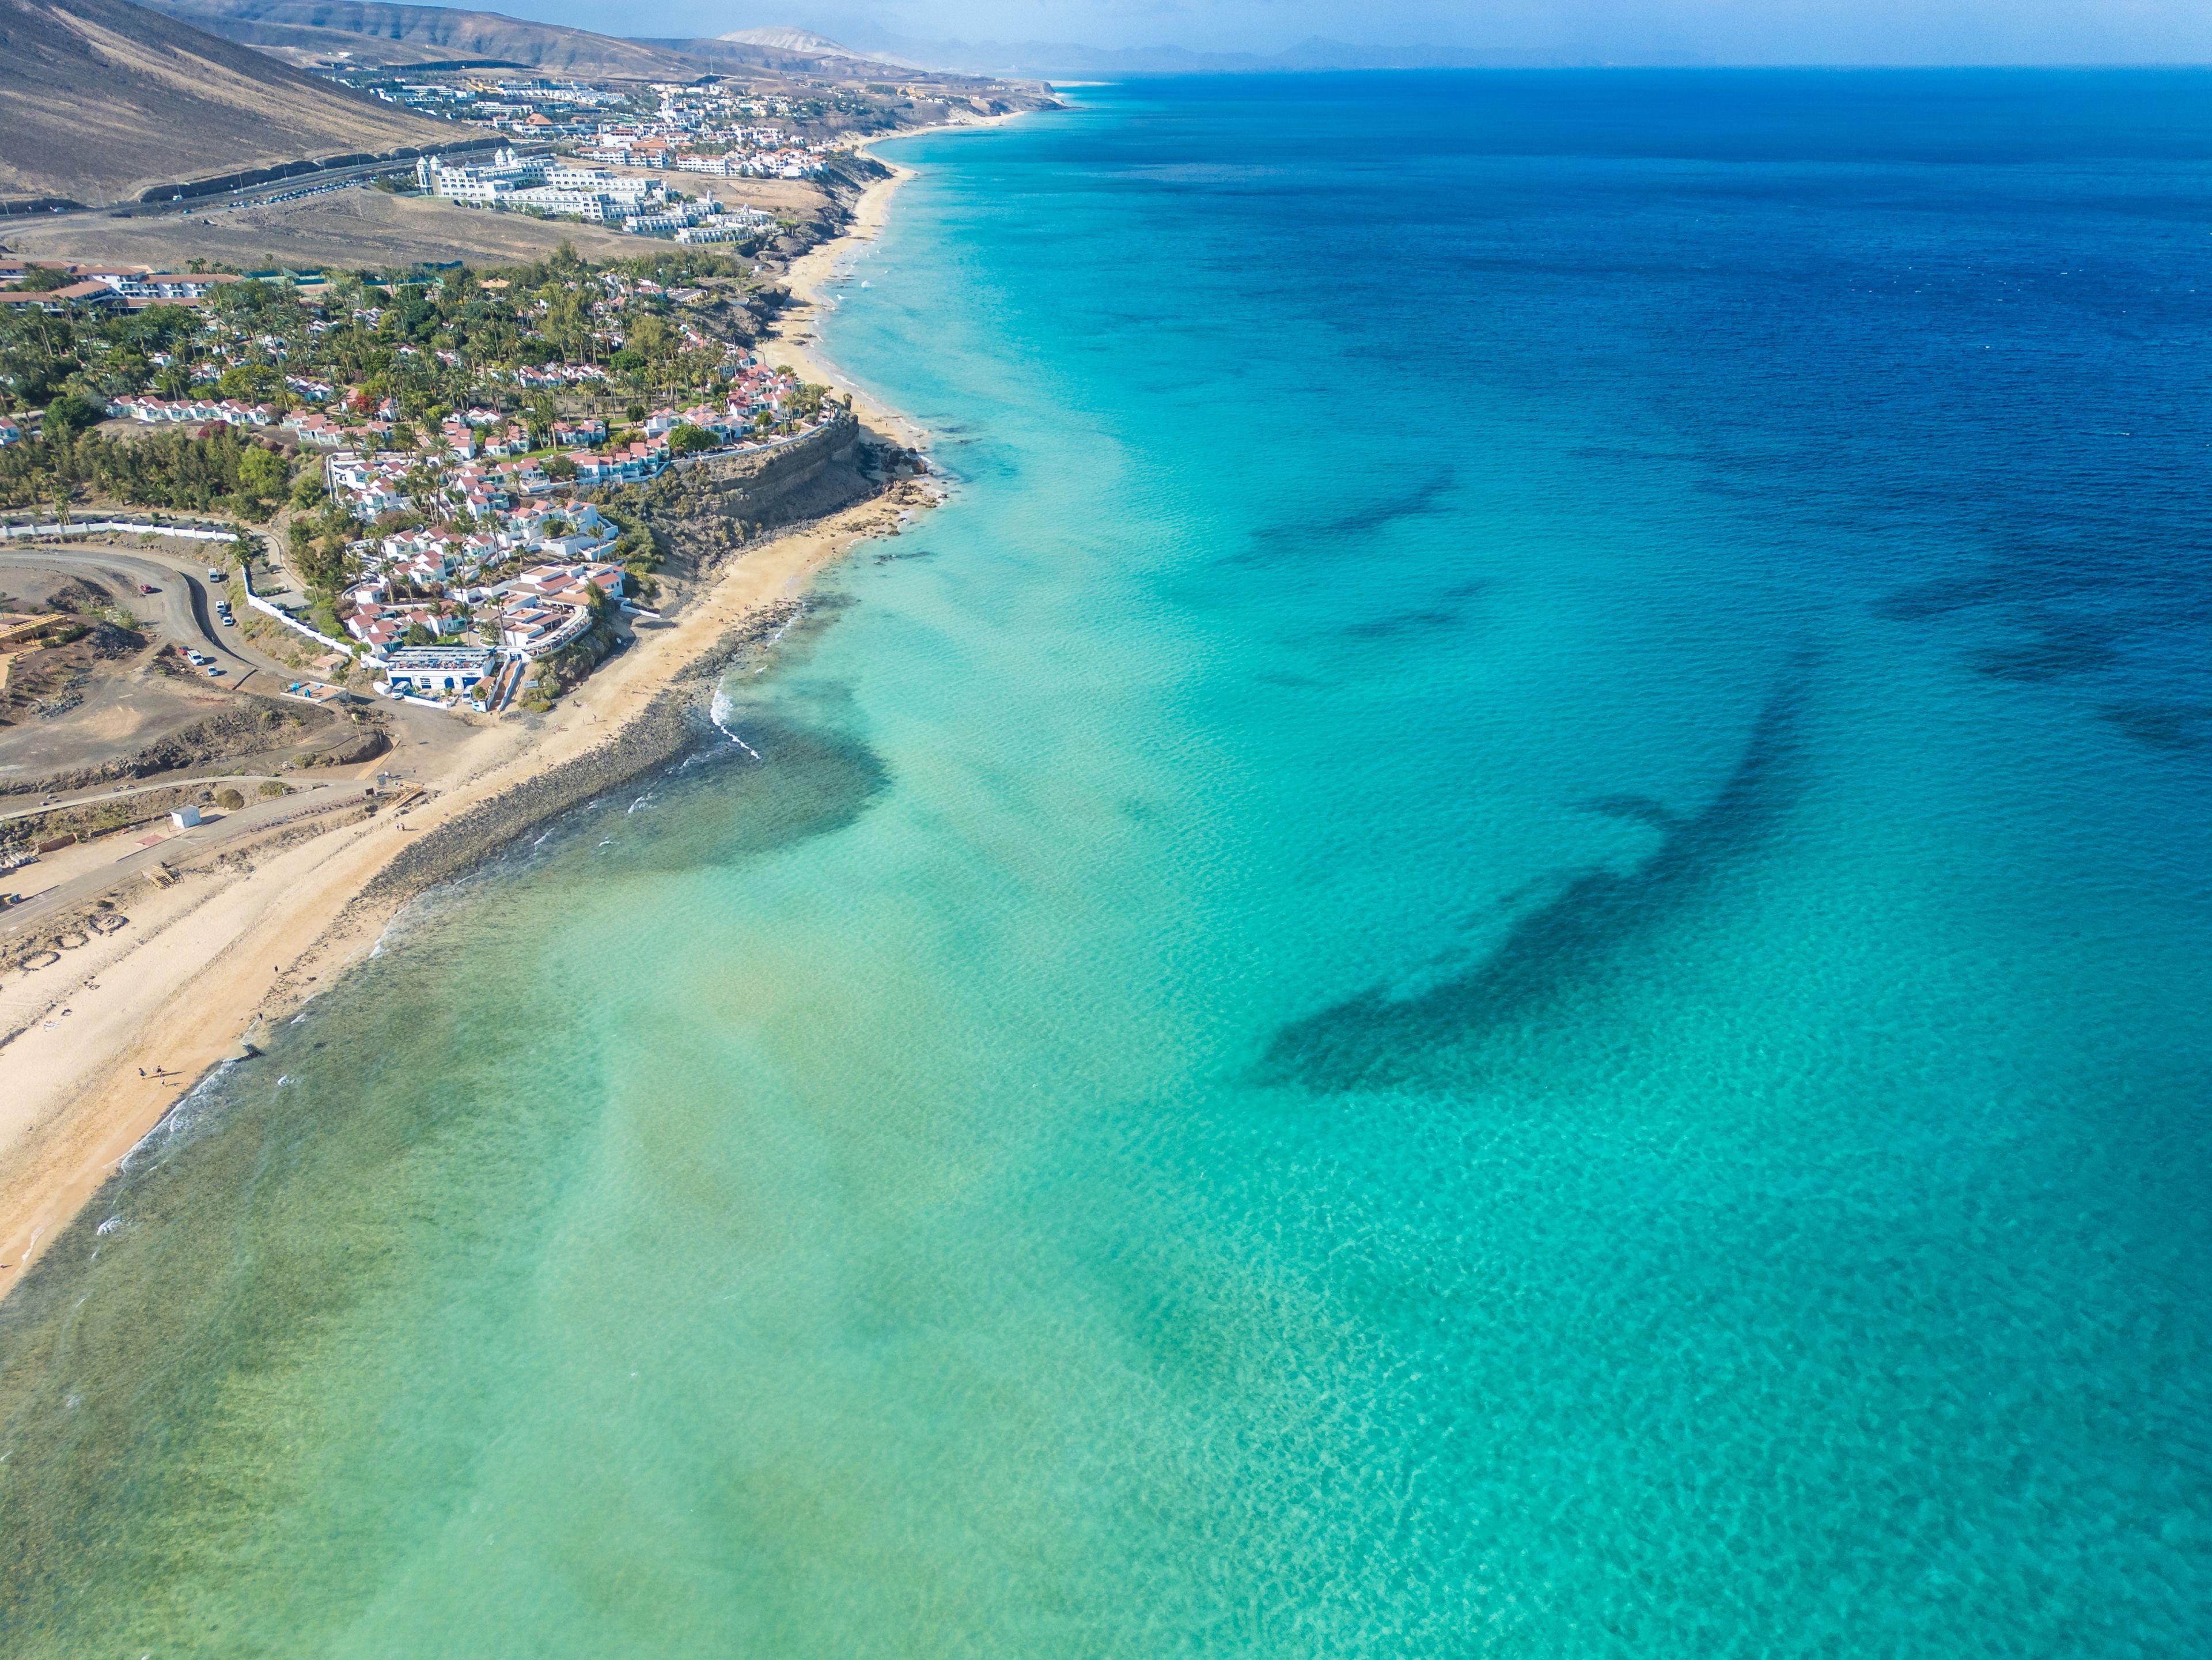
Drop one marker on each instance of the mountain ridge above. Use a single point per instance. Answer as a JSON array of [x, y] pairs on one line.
[[381, 34], [101, 99]]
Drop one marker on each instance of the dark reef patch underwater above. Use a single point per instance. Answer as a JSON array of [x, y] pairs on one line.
[[1553, 959]]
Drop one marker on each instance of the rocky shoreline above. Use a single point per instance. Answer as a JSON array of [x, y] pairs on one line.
[[674, 722]]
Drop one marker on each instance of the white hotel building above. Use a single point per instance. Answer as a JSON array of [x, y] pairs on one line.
[[512, 181]]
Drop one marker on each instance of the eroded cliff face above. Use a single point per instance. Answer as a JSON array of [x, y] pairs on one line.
[[702, 514]]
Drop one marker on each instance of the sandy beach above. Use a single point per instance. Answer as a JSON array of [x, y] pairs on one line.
[[812, 270], [210, 964]]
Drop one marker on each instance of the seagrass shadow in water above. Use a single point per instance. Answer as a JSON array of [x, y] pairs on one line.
[[1560, 952]]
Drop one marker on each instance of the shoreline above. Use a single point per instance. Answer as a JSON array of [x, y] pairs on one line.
[[191, 991], [813, 270]]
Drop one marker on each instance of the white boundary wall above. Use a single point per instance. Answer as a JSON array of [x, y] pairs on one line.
[[292, 621], [117, 527]]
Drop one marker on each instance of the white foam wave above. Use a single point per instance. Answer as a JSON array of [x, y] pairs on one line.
[[187, 1114], [719, 708]]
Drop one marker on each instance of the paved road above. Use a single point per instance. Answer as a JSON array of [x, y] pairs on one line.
[[82, 889], [182, 611], [187, 615], [299, 183], [92, 797]]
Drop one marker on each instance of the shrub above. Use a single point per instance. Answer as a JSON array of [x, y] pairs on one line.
[[229, 800], [271, 787]]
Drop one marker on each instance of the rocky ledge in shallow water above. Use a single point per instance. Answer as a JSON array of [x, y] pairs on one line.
[[667, 726]]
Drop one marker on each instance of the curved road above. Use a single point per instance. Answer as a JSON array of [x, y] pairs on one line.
[[186, 614], [183, 610]]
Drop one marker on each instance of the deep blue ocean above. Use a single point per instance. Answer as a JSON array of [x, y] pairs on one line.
[[1503, 945]]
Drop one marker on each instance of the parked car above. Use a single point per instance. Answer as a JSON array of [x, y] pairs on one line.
[[228, 621], [148, 587], [216, 576]]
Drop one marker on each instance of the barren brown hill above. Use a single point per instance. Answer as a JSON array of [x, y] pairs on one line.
[[371, 33], [350, 228], [381, 33], [101, 98]]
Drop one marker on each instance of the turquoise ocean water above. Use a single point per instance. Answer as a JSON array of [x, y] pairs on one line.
[[1501, 947]]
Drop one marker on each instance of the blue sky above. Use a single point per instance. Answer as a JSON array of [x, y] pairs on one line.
[[1724, 31]]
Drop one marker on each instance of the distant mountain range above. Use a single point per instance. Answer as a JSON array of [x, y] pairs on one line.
[[101, 98], [382, 33], [1063, 59], [779, 51], [304, 31]]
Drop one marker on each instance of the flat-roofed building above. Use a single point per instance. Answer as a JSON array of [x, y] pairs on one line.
[[432, 671]]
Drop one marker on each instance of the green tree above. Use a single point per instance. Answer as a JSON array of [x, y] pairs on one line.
[[321, 556], [649, 336], [70, 415], [262, 475], [539, 417], [252, 382]]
